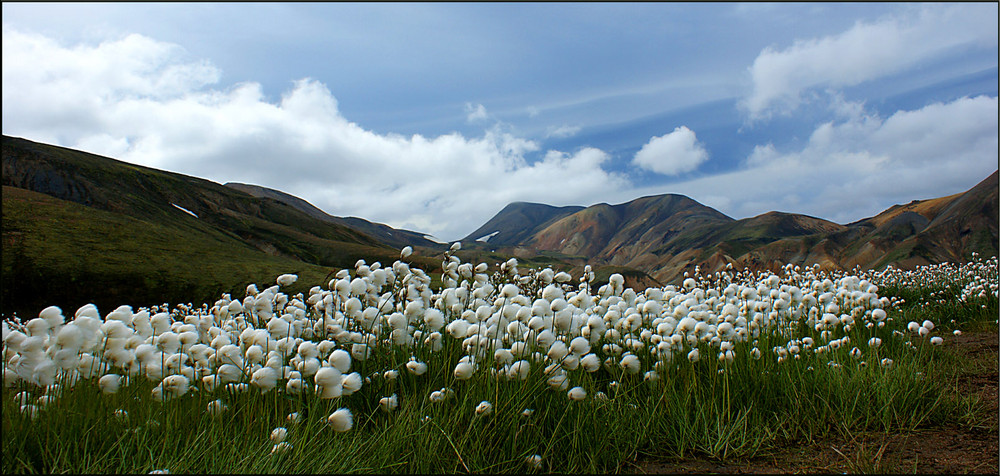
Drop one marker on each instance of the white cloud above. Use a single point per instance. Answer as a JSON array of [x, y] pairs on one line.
[[864, 52], [562, 131], [672, 154], [859, 167], [475, 112], [140, 100]]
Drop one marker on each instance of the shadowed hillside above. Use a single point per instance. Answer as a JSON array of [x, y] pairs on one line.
[[383, 233]]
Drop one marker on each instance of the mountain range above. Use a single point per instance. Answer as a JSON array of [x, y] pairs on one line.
[[78, 227], [667, 235]]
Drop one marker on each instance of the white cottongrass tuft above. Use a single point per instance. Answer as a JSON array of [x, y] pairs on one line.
[[937, 340], [352, 383], [577, 393], [484, 408], [341, 420], [388, 404], [557, 351], [590, 362], [464, 370], [216, 408], [535, 461], [278, 434], [416, 367], [265, 379], [341, 360], [109, 383], [281, 448], [630, 363], [172, 386]]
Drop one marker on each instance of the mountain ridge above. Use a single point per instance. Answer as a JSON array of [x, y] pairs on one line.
[[394, 237]]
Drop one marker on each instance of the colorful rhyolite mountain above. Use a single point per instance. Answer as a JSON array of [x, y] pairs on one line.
[[666, 235]]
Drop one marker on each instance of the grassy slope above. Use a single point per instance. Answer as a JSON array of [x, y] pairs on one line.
[[58, 252]]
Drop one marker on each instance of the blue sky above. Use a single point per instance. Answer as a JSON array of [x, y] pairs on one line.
[[432, 117]]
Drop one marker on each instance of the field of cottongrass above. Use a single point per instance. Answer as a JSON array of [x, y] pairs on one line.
[[502, 371]]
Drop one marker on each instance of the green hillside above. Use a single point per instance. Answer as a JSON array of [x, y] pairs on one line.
[[57, 252]]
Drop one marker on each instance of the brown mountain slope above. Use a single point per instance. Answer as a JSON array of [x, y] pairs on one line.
[[666, 235], [620, 234]]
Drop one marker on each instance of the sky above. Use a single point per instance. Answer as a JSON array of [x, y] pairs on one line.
[[433, 117]]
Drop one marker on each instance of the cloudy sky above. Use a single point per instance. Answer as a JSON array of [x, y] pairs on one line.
[[432, 117]]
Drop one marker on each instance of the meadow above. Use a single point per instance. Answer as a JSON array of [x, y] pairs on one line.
[[503, 370]]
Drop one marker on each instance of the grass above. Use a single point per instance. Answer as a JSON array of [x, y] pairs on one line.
[[749, 409]]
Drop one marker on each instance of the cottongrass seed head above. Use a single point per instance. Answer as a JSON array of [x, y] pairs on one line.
[[341, 420]]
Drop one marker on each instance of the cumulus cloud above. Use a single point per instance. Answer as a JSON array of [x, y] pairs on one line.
[[147, 102], [860, 166], [475, 112], [672, 154], [866, 51], [143, 101]]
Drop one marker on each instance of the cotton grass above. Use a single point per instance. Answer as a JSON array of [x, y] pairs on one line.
[[381, 336]]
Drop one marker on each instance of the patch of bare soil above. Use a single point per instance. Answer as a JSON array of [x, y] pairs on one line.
[[950, 449]]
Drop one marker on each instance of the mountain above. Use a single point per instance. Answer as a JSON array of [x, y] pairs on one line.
[[517, 221], [390, 236], [79, 226], [665, 236]]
